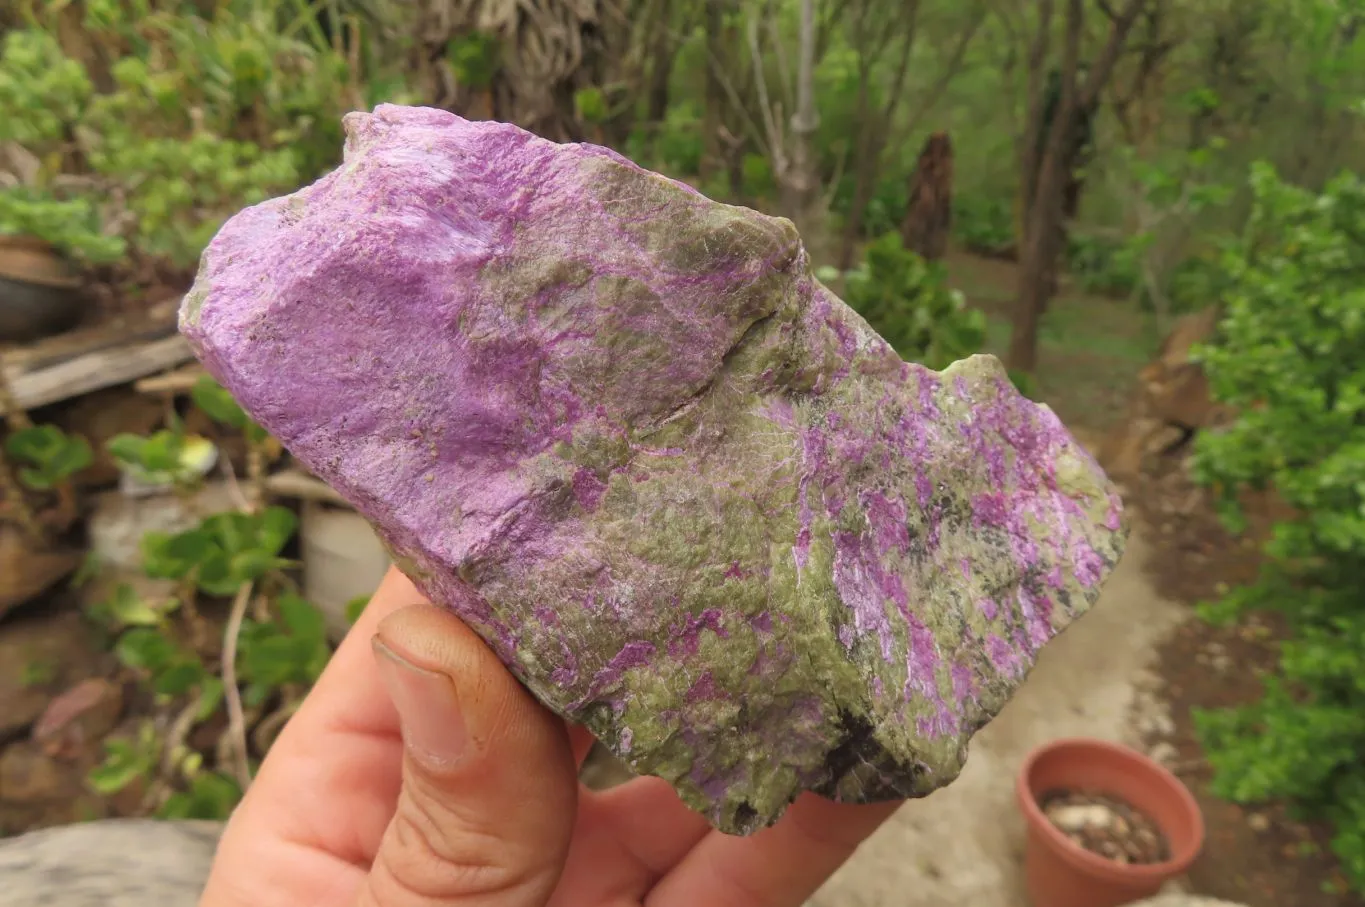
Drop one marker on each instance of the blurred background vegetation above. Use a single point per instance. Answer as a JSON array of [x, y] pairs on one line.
[[1057, 181]]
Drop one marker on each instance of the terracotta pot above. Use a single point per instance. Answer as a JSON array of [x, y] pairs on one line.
[[40, 294], [1063, 874]]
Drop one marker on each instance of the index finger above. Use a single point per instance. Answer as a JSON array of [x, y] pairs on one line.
[[780, 866]]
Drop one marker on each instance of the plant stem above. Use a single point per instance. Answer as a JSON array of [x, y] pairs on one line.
[[255, 474], [236, 717]]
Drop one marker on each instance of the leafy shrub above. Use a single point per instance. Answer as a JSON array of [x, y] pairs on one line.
[[279, 649], [984, 223], [757, 176], [908, 301], [166, 121], [885, 208], [1290, 356], [1101, 265], [1196, 283], [48, 455], [679, 146]]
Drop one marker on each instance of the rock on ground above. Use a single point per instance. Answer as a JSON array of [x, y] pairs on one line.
[[114, 863]]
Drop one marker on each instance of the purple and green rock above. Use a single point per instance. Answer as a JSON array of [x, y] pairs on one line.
[[690, 498]]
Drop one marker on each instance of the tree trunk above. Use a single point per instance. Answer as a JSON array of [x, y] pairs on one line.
[[865, 159], [1043, 211], [713, 24], [1043, 226], [1031, 142], [929, 216], [802, 185], [803, 182]]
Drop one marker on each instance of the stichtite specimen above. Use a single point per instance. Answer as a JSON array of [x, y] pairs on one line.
[[689, 497]]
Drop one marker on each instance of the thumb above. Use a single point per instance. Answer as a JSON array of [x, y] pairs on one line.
[[488, 797]]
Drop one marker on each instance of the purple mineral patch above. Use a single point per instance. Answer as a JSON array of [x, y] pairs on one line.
[[687, 495]]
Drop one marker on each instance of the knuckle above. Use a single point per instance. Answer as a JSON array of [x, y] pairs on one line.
[[437, 858]]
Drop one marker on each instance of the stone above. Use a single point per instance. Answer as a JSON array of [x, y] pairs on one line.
[[40, 655], [687, 495], [27, 570], [109, 863], [74, 722], [1172, 402], [28, 775], [119, 521]]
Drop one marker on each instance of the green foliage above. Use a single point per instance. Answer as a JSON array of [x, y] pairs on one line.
[[72, 226], [591, 104], [169, 667], [908, 302], [169, 120], [474, 58], [355, 607], [38, 672], [984, 223], [125, 761], [293, 650], [1290, 356], [125, 608], [211, 795], [216, 403], [1102, 265], [49, 455], [224, 551], [757, 174], [679, 145], [1197, 282], [280, 644], [885, 207], [168, 457], [1167, 196]]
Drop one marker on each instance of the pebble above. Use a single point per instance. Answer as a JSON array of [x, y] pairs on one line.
[[1078, 816]]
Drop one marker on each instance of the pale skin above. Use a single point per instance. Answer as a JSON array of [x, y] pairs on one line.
[[482, 805]]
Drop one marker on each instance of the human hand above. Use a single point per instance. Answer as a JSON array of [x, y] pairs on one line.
[[482, 806]]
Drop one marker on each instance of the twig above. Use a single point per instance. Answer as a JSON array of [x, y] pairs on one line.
[[236, 729], [255, 474], [270, 726], [174, 743], [234, 487], [172, 382], [291, 483]]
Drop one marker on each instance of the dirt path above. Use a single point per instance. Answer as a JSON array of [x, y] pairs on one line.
[[963, 844]]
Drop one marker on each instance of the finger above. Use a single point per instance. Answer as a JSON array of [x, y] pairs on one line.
[[653, 826], [779, 867], [489, 786], [580, 741], [624, 841]]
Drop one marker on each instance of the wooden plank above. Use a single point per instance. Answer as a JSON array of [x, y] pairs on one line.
[[179, 381], [293, 483], [156, 322], [96, 370]]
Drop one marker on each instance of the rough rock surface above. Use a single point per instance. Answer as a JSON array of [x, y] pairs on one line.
[[689, 497]]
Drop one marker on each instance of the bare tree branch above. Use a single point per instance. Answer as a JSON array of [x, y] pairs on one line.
[[929, 100], [1104, 63]]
